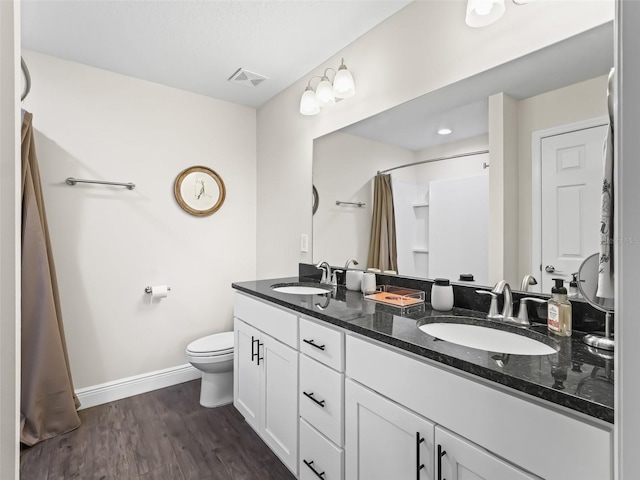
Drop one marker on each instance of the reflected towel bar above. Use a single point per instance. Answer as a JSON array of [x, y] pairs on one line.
[[73, 181], [357, 204]]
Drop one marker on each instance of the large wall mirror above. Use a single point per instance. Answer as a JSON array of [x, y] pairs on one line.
[[442, 207]]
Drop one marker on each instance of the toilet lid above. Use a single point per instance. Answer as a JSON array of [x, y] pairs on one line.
[[218, 343]]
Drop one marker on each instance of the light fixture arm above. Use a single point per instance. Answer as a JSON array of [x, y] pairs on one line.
[[324, 75], [309, 87]]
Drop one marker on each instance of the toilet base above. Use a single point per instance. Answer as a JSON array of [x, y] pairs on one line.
[[216, 389]]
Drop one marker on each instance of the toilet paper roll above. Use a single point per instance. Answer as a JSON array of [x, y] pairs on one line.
[[159, 291]]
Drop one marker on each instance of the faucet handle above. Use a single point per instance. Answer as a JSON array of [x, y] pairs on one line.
[[493, 309], [523, 315], [334, 278]]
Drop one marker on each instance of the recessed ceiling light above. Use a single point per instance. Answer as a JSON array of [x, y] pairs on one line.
[[444, 131]]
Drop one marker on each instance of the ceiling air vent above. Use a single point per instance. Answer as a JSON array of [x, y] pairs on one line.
[[247, 78]]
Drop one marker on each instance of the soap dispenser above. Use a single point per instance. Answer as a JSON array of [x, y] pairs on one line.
[[559, 310], [573, 286]]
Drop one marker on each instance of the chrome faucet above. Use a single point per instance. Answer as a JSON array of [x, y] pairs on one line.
[[500, 288], [526, 281], [523, 315], [349, 262], [503, 288], [326, 272]]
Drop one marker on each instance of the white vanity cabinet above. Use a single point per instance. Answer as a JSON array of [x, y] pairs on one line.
[[456, 458], [535, 440], [338, 406], [321, 401], [266, 376], [384, 440]]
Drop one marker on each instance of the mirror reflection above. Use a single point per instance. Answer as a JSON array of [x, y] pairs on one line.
[[525, 146]]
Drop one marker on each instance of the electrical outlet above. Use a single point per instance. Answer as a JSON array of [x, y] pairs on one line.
[[304, 243]]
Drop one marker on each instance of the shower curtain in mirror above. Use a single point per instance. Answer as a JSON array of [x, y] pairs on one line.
[[48, 402], [383, 253]]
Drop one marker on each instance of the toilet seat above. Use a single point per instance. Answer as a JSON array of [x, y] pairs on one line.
[[212, 345]]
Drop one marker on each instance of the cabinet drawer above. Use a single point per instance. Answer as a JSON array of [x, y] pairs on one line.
[[326, 457], [278, 323], [321, 398], [322, 343]]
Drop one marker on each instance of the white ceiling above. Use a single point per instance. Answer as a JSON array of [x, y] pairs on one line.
[[197, 45]]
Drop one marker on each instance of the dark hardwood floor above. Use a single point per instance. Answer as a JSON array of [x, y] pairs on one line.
[[160, 435]]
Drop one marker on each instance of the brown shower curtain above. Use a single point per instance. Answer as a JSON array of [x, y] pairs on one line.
[[48, 402], [383, 253]]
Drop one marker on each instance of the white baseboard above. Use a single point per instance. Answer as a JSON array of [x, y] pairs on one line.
[[127, 387]]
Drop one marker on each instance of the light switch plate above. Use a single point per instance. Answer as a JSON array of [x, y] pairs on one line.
[[304, 243]]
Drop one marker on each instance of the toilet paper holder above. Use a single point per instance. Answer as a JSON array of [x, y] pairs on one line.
[[148, 289]]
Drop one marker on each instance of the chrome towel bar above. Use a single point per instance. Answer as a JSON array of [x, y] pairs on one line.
[[72, 181], [357, 204]]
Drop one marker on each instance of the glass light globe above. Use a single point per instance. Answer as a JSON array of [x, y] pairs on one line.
[[308, 103], [343, 85], [481, 13], [324, 92]]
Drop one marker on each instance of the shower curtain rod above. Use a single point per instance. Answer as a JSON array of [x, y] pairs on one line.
[[480, 152], [27, 79]]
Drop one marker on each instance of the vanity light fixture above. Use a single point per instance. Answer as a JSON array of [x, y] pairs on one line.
[[445, 131], [481, 13], [326, 92]]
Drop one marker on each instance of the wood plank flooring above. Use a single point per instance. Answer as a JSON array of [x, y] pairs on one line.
[[160, 435]]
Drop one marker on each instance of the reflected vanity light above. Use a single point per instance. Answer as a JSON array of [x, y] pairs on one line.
[[445, 131], [326, 92], [481, 13]]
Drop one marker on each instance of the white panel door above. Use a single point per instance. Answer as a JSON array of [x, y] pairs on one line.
[[459, 228], [571, 170], [280, 399], [383, 440], [458, 459], [246, 373]]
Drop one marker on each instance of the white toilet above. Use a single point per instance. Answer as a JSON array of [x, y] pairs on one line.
[[213, 355]]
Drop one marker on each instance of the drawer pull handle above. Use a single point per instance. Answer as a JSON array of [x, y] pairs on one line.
[[253, 353], [441, 453], [419, 466], [310, 395], [258, 352], [311, 342], [310, 465]]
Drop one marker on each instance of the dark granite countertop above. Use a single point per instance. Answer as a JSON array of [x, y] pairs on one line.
[[577, 377]]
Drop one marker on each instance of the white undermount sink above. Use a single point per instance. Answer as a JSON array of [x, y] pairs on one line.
[[487, 338], [301, 288]]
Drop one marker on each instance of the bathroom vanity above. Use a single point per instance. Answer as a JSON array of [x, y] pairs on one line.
[[340, 387]]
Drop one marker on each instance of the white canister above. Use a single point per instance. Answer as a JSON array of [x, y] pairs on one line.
[[442, 295], [368, 283], [353, 280]]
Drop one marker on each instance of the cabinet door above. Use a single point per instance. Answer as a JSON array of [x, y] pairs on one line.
[[383, 440], [462, 460], [280, 400], [246, 373]]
